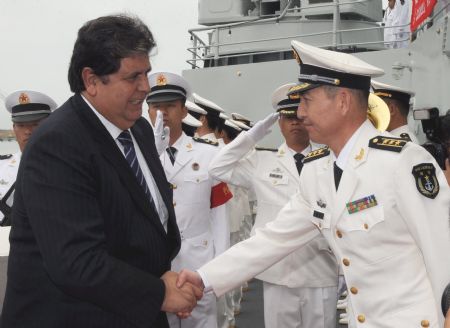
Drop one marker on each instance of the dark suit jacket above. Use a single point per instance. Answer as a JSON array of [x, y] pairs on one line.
[[87, 248]]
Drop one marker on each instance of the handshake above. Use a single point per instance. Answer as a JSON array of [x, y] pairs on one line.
[[182, 292]]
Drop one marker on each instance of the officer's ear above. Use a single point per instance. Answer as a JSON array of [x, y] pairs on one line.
[[90, 80]]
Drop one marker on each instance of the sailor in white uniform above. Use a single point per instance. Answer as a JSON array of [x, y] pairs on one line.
[[399, 103], [300, 290], [396, 24], [382, 203], [28, 108], [199, 200]]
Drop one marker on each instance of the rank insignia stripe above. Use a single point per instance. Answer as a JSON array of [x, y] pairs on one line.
[[385, 143], [426, 181], [316, 154], [361, 204]]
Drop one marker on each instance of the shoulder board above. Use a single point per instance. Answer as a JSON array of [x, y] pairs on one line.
[[265, 149], [405, 136], [388, 143], [316, 154], [5, 156], [206, 141]]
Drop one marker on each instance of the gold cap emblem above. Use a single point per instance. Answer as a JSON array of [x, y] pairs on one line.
[[161, 80], [23, 98]]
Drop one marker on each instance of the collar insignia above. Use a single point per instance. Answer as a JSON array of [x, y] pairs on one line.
[[360, 156]]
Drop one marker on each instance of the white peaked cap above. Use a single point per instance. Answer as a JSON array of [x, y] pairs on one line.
[[325, 67], [191, 121], [28, 105], [206, 104], [192, 107], [167, 86], [383, 86]]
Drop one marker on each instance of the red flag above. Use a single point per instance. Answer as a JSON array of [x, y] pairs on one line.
[[421, 9]]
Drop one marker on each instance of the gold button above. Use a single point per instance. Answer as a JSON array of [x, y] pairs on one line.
[[339, 233], [354, 290], [361, 318], [174, 186], [346, 262], [425, 323], [366, 226], [174, 204]]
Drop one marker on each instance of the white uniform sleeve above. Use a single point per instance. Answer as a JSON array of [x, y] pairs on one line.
[[288, 232], [233, 164], [427, 219]]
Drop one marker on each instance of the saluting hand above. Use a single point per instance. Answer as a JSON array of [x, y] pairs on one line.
[[447, 170], [161, 133], [262, 128]]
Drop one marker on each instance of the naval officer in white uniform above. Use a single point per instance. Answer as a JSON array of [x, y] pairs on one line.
[[387, 221], [399, 103], [300, 290], [199, 200], [28, 108]]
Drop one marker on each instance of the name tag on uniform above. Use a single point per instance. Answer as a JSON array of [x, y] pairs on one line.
[[318, 215], [276, 176], [361, 204]]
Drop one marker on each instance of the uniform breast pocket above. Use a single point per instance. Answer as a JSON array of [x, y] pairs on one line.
[[320, 218], [364, 220], [196, 178]]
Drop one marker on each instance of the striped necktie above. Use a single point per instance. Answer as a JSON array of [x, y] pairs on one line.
[[171, 151], [130, 155]]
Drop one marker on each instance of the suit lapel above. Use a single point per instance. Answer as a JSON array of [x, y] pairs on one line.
[[350, 178], [109, 149], [287, 161]]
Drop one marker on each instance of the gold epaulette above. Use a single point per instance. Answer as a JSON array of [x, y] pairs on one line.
[[206, 141], [5, 156], [316, 154], [385, 143], [265, 149]]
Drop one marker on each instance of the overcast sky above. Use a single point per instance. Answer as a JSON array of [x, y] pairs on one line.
[[37, 37]]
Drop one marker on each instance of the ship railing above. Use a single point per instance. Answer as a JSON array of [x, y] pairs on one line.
[[202, 51]]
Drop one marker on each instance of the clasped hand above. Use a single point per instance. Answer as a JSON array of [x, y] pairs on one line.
[[180, 299]]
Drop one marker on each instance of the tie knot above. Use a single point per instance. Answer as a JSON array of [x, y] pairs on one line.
[[299, 157], [125, 138]]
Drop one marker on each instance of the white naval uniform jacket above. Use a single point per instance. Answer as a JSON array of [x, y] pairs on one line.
[[8, 175], [274, 178], [192, 187], [395, 255]]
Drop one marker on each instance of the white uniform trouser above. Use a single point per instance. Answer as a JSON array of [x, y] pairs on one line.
[[204, 315], [300, 307]]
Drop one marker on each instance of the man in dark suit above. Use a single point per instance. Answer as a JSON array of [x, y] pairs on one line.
[[93, 227]]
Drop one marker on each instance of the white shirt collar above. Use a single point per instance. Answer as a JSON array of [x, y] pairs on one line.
[[113, 130]]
